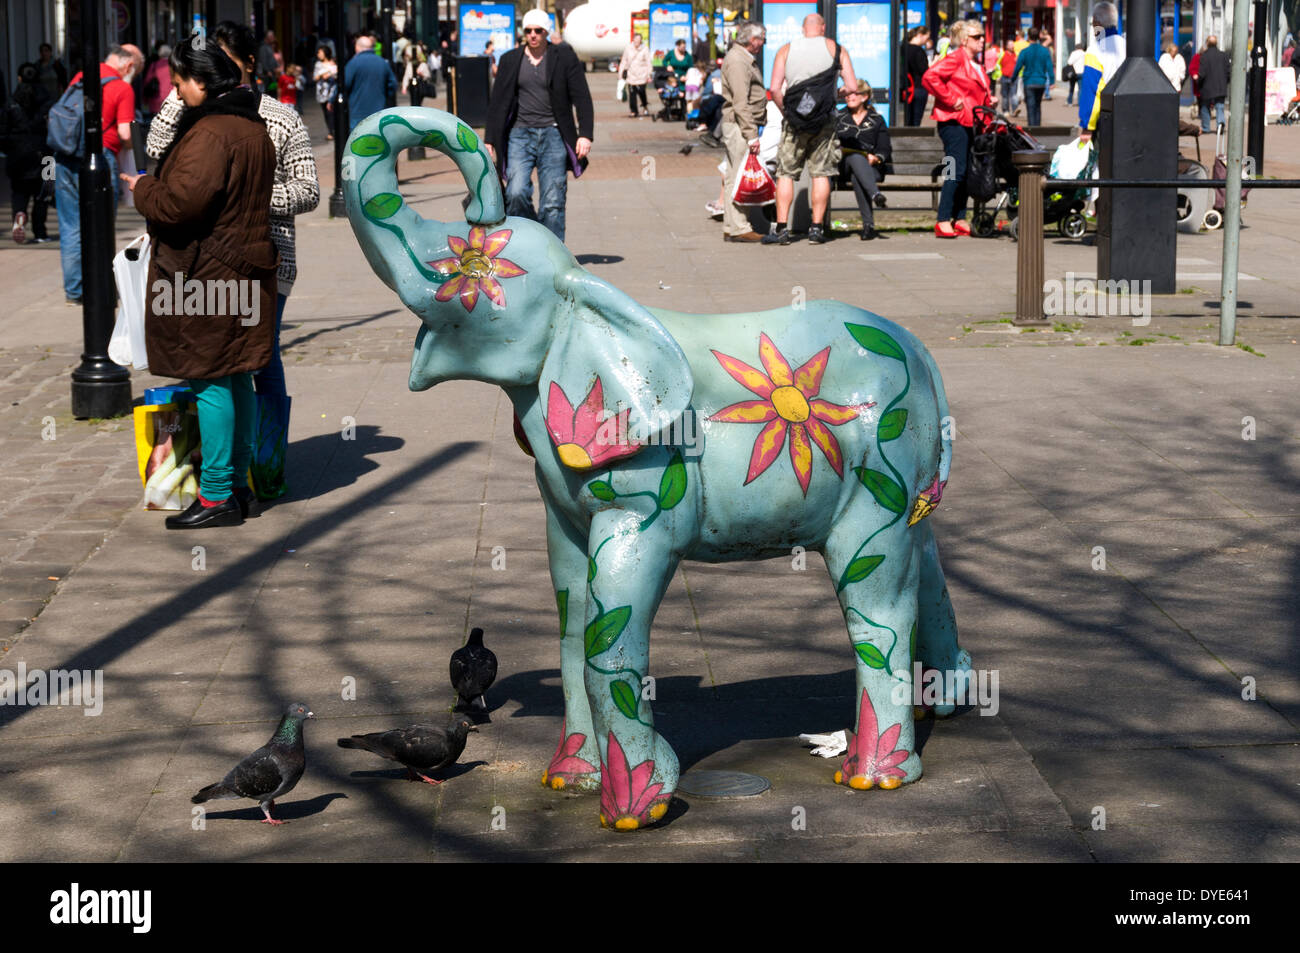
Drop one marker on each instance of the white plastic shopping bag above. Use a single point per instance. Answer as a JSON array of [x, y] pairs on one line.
[[1069, 160], [131, 271]]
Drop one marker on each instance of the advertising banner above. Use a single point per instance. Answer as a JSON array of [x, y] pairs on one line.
[[915, 14], [480, 22], [863, 30], [1279, 90], [669, 22], [784, 21]]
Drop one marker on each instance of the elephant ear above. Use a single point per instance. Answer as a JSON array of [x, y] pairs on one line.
[[613, 378]]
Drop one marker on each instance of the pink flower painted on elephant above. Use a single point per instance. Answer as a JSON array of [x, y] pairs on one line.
[[476, 267], [926, 501], [566, 760], [872, 759], [627, 798], [582, 436], [789, 407]]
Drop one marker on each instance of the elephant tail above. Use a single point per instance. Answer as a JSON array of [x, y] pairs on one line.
[[380, 217], [945, 415]]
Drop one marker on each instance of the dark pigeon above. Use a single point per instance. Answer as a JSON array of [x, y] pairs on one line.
[[269, 772], [473, 670], [420, 747]]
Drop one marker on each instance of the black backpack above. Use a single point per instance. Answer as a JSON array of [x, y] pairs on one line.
[[810, 103]]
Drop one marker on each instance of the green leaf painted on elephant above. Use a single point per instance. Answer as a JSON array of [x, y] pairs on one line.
[[602, 490], [871, 656], [371, 145], [672, 485], [465, 136], [604, 630], [876, 340], [891, 425], [384, 205], [859, 569], [624, 696], [887, 493], [562, 603], [591, 569], [433, 140], [912, 642]]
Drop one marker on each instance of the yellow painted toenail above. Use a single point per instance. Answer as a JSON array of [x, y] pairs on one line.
[[889, 784], [860, 782], [839, 777], [557, 782], [658, 811], [627, 823]]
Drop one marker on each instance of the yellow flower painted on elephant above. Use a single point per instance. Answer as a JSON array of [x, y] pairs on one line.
[[789, 407], [476, 267]]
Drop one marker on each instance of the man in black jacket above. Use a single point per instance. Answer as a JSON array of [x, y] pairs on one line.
[[1212, 78], [530, 123]]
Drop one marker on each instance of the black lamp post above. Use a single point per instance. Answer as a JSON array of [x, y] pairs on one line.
[[1137, 131], [338, 206], [1255, 129], [100, 388]]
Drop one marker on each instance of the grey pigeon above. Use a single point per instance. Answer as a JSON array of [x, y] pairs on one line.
[[420, 747], [269, 772], [473, 670]]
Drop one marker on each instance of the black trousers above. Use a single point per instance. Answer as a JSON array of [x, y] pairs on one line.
[[915, 110], [633, 91], [865, 186]]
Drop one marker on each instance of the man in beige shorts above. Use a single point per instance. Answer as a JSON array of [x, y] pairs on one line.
[[799, 60]]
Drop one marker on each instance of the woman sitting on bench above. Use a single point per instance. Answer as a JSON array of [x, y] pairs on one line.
[[864, 141]]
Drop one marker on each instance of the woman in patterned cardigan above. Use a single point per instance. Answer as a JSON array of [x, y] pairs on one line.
[[296, 191]]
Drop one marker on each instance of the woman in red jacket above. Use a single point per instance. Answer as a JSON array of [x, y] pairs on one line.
[[958, 84]]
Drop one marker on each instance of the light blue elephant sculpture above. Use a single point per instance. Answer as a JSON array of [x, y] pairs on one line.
[[661, 436]]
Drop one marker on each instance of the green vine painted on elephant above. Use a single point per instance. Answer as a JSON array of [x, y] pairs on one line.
[[886, 488], [606, 628], [384, 205]]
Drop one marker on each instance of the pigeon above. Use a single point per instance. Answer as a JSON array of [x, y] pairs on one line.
[[473, 670], [420, 747], [269, 772], [686, 149]]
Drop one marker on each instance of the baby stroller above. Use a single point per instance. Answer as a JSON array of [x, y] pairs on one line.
[[996, 138], [673, 98], [1292, 113]]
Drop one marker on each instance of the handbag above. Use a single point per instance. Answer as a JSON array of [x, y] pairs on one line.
[[981, 169], [754, 185], [131, 271]]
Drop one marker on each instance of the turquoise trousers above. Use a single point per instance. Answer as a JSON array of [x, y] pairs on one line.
[[227, 427]]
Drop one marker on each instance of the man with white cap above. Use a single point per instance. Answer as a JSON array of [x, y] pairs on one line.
[[531, 122]]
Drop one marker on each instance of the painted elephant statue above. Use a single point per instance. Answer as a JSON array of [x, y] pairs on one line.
[[661, 436]]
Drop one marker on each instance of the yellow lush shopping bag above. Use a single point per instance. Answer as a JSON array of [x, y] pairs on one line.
[[169, 453]]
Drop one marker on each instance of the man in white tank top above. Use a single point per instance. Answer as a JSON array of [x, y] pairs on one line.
[[800, 59]]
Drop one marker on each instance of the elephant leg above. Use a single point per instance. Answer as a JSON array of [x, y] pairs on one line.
[[936, 632], [639, 769], [576, 763], [880, 608]]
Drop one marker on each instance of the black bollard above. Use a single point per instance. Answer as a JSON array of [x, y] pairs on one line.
[[1258, 55], [100, 388], [1137, 131], [338, 205]]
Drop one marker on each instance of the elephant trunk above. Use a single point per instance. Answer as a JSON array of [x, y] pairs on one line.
[[395, 238]]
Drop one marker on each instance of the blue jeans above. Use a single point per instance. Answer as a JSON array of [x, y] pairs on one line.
[[1034, 105], [1008, 95], [956, 144], [541, 149], [1205, 112], [269, 380], [67, 205]]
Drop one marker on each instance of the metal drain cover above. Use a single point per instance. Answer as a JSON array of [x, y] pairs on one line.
[[721, 784]]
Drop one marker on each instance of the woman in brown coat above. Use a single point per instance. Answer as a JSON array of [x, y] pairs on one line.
[[210, 307]]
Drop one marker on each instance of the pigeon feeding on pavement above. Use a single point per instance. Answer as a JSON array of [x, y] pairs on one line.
[[269, 772], [473, 670], [420, 747]]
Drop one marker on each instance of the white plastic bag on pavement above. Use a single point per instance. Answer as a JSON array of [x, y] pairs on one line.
[[131, 271], [1069, 160]]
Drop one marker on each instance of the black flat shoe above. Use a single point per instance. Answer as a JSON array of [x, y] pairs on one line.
[[868, 233], [225, 513], [249, 507], [879, 200]]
